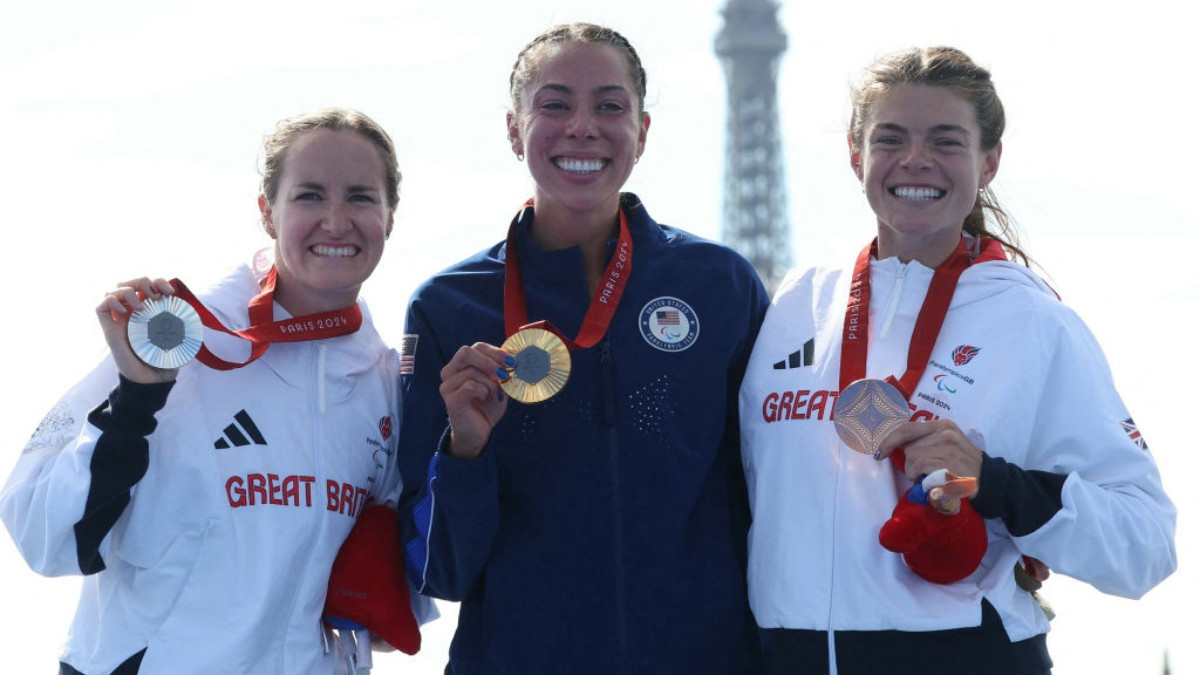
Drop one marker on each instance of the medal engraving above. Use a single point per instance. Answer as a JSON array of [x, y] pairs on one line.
[[866, 412], [543, 365], [165, 333], [533, 364]]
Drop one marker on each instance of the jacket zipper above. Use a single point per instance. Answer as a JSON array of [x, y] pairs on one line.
[[608, 385], [608, 413], [889, 314], [318, 427]]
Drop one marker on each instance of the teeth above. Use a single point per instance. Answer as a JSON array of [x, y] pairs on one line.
[[334, 251], [917, 193], [579, 165]]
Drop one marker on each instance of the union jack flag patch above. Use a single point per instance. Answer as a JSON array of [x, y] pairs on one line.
[[1134, 435]]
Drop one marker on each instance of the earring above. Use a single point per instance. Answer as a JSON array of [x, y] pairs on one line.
[[520, 157]]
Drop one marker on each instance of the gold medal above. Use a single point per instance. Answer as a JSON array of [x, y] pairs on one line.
[[866, 412], [165, 333], [543, 364]]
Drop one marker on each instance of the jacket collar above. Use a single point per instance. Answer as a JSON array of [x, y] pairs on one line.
[[565, 266]]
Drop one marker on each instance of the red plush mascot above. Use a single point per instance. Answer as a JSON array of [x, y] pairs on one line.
[[940, 536], [367, 586]]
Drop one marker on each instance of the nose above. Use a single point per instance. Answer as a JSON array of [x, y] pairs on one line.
[[337, 220], [582, 123], [916, 156]]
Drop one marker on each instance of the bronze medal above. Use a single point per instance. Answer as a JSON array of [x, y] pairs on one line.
[[543, 365], [866, 412]]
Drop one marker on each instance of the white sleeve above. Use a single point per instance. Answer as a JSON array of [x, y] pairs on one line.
[[1116, 528], [389, 482], [48, 489]]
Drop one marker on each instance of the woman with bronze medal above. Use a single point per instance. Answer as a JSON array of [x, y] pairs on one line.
[[205, 502], [952, 421], [595, 522]]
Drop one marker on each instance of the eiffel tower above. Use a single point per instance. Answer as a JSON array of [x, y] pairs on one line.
[[755, 203]]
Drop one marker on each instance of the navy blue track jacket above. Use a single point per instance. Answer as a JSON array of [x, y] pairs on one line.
[[604, 530]]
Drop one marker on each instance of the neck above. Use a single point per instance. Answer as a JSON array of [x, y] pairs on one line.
[[555, 229], [930, 250], [312, 303]]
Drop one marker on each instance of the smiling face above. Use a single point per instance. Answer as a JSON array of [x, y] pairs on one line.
[[921, 166], [581, 129], [329, 218]]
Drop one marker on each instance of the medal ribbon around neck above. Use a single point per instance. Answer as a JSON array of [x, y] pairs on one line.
[[542, 354], [264, 330], [929, 319], [867, 410], [604, 303]]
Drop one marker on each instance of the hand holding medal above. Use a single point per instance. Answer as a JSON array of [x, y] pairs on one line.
[[166, 328], [541, 367], [473, 397], [142, 316]]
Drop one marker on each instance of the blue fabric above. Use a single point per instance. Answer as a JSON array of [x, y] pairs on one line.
[[603, 530], [1024, 499]]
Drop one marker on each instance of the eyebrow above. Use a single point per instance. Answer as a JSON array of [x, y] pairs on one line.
[[603, 89], [319, 187], [938, 128]]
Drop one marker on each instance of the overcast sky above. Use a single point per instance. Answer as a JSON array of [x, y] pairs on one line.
[[132, 131]]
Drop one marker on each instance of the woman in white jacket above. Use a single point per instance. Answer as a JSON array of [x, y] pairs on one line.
[[206, 506], [1003, 384]]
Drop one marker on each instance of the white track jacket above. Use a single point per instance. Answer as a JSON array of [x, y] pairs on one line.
[[1019, 373], [220, 561]]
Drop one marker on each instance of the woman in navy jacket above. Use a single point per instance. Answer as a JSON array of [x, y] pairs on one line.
[[602, 530]]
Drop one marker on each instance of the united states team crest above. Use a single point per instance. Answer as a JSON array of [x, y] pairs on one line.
[[669, 324]]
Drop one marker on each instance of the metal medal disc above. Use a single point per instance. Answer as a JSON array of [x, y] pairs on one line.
[[866, 412], [165, 333], [543, 365]]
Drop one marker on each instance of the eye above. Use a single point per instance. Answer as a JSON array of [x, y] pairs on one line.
[[611, 107], [554, 106], [362, 198], [307, 196], [887, 140]]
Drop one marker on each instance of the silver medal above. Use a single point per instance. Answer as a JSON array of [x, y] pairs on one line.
[[165, 333]]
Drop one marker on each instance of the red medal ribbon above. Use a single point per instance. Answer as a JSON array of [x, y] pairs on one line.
[[929, 319], [604, 302], [264, 330]]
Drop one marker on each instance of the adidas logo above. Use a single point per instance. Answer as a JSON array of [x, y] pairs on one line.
[[236, 433], [800, 358]]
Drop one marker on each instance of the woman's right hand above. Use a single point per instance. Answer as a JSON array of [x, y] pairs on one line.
[[113, 314], [473, 397]]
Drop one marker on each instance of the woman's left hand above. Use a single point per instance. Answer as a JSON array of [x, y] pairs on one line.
[[929, 446]]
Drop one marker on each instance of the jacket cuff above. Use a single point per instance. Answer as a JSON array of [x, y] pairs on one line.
[[132, 407], [1025, 500], [463, 475]]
